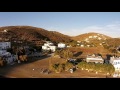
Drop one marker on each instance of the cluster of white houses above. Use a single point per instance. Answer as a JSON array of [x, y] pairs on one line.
[[50, 46]]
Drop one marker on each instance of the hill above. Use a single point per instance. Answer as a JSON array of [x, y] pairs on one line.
[[90, 36], [33, 33], [113, 42]]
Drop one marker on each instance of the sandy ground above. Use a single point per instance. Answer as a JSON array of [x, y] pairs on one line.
[[33, 68]]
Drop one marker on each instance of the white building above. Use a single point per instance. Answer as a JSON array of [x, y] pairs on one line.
[[53, 48], [93, 58], [61, 45], [99, 38], [88, 45], [116, 63], [95, 36], [86, 39], [5, 45], [78, 41], [49, 46], [82, 45], [90, 36]]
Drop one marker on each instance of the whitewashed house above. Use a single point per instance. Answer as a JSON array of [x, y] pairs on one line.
[[49, 46], [99, 38], [100, 44], [90, 36], [4, 31], [95, 36], [88, 45], [5, 45], [61, 45], [115, 61], [82, 45], [94, 58], [86, 39], [78, 41]]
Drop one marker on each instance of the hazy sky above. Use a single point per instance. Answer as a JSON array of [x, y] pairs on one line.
[[69, 23]]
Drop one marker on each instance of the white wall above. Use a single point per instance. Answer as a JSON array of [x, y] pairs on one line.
[[61, 45], [116, 64], [53, 48]]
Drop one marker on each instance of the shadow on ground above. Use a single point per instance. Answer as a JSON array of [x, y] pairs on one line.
[[8, 68]]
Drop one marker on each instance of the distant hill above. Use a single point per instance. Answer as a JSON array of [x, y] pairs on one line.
[[33, 33], [92, 36]]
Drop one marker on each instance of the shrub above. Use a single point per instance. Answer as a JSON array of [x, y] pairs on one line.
[[57, 67], [105, 68], [68, 66], [82, 65]]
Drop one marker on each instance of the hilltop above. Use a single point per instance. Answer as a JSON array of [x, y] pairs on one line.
[[33, 33], [91, 35]]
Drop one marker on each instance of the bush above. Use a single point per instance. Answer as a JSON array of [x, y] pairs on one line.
[[57, 68], [82, 65], [23, 57], [68, 66], [60, 67], [105, 68]]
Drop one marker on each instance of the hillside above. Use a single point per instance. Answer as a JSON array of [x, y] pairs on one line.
[[33, 33], [91, 36], [113, 42]]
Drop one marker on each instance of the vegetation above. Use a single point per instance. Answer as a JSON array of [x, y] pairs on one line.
[[104, 68], [61, 67], [2, 62], [65, 53]]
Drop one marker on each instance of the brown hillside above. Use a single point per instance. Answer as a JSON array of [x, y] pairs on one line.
[[82, 37], [33, 33], [115, 42]]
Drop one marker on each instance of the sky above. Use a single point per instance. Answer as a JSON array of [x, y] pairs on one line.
[[69, 23]]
